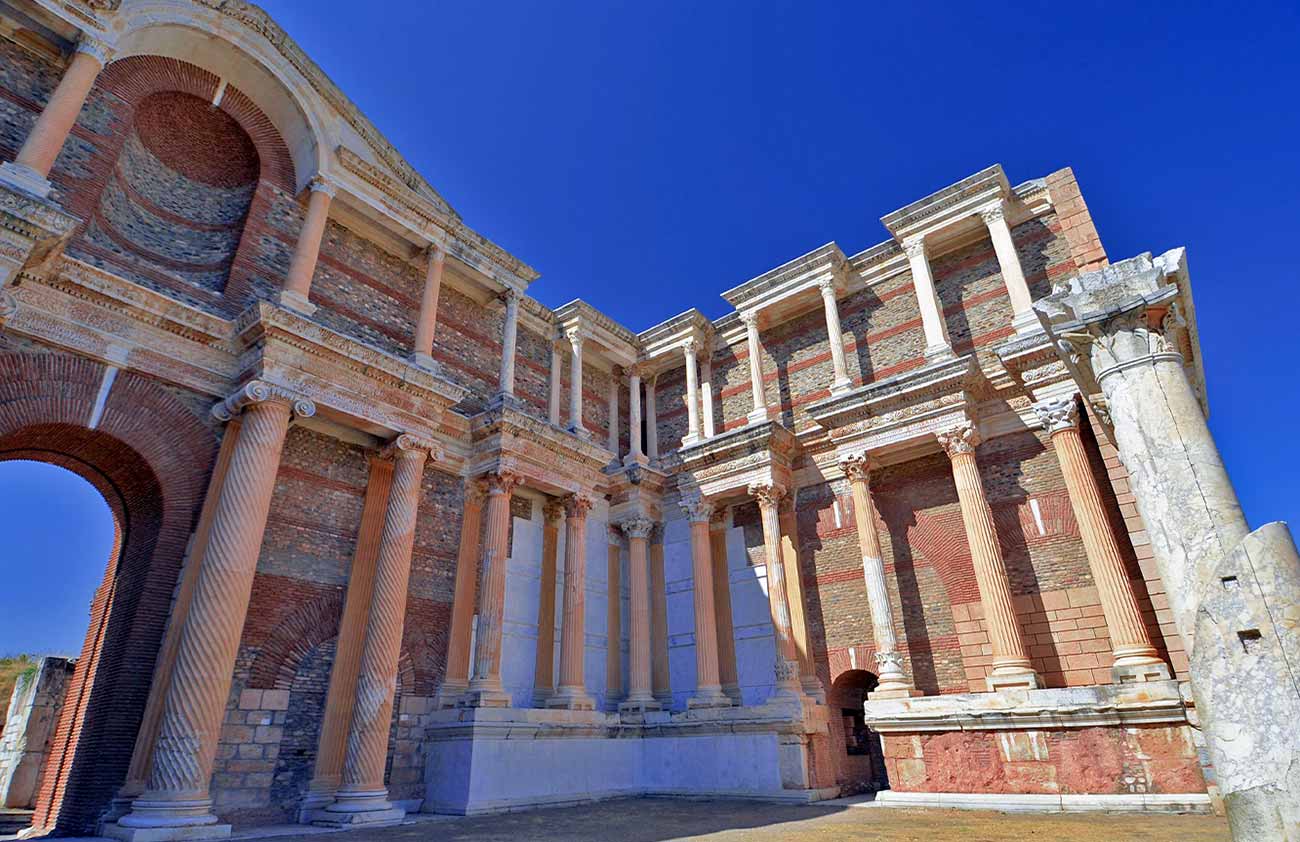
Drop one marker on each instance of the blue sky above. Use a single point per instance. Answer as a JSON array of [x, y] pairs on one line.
[[647, 156]]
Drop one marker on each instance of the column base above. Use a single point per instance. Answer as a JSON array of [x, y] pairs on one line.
[[839, 387], [690, 439], [581, 432], [891, 691], [449, 695], [934, 353], [571, 698], [177, 833], [426, 362], [1026, 323], [352, 809], [313, 802], [732, 691], [708, 697], [25, 179], [505, 400], [484, 698], [1008, 680], [641, 705], [541, 695], [636, 459], [1138, 673], [298, 303], [759, 416]]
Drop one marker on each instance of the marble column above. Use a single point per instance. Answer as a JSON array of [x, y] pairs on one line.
[[835, 334], [1011, 667], [427, 324], [544, 674], [176, 795], [892, 682], [302, 267], [769, 497], [557, 364], [706, 394], [456, 677], [572, 692], [509, 335], [635, 456], [722, 607], [760, 412], [640, 697], [708, 686], [1133, 656], [692, 393], [30, 170], [1013, 276], [576, 341], [613, 412], [652, 419], [808, 679], [362, 797], [937, 344], [614, 620], [660, 679], [485, 688]]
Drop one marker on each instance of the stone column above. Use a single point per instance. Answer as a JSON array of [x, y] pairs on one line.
[[576, 340], [509, 333], [660, 680], [787, 656], [427, 325], [1134, 658], [692, 394], [706, 393], [639, 695], [892, 682], [652, 419], [722, 607], [297, 283], [485, 689], [544, 674], [1022, 304], [613, 412], [176, 796], [362, 797], [614, 621], [808, 680], [456, 677], [30, 170], [572, 692], [557, 362], [635, 456], [937, 344], [1011, 667], [842, 383], [708, 686], [760, 412]]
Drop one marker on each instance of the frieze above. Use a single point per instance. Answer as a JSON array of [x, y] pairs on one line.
[[929, 384]]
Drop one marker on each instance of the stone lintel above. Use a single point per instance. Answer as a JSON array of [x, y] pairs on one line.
[[952, 209], [791, 284], [730, 462]]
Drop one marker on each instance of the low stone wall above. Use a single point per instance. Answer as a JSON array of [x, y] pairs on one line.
[[28, 728]]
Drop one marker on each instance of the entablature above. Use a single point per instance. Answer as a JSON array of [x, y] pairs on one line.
[[727, 464], [792, 287], [663, 345], [614, 343], [544, 457]]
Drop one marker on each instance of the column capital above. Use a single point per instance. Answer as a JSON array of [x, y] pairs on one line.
[[750, 318], [475, 492], [321, 184], [409, 446], [638, 370], [436, 251], [637, 527], [501, 482], [553, 511], [857, 468], [259, 391], [1058, 414], [576, 506], [963, 438], [993, 213], [697, 508], [100, 51], [914, 246], [767, 493], [691, 347], [575, 336], [826, 286]]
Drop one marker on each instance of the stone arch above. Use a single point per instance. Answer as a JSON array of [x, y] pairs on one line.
[[150, 457], [860, 757], [276, 664]]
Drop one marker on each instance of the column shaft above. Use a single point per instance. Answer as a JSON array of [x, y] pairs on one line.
[[787, 656], [722, 610], [692, 395], [575, 384], [652, 420], [706, 394], [836, 337], [639, 695], [297, 283], [427, 325], [1011, 667], [485, 689], [937, 343], [57, 118], [634, 452], [760, 412], [794, 596], [660, 679], [614, 622], [544, 674], [509, 333], [572, 692], [708, 686], [613, 412], [456, 677], [1013, 276]]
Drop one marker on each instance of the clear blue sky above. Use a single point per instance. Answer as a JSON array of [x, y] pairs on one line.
[[646, 156]]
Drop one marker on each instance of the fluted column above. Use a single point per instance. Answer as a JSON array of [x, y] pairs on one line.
[[509, 335], [892, 682], [706, 394], [651, 419], [787, 656], [708, 687], [576, 340], [31, 168], [660, 679], [177, 792], [1133, 656], [692, 393], [427, 324], [456, 676], [722, 607], [937, 344], [485, 689], [1011, 667], [634, 453], [614, 619], [639, 695], [841, 383], [808, 679], [544, 674], [613, 411], [1013, 276], [760, 411], [362, 796], [572, 692], [297, 283]]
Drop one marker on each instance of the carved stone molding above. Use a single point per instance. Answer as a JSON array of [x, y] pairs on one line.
[[100, 51], [409, 445], [553, 511], [767, 494], [320, 184], [576, 506], [962, 439], [697, 509], [914, 247], [992, 213], [257, 391], [637, 527], [475, 492], [1059, 414], [857, 468], [501, 482]]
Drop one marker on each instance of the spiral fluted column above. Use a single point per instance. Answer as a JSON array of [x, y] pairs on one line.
[[177, 792], [787, 655], [1134, 658], [708, 687], [362, 797], [572, 692], [485, 689], [455, 679], [1011, 667], [639, 690]]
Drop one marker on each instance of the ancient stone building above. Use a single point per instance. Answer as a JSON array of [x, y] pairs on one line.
[[394, 536]]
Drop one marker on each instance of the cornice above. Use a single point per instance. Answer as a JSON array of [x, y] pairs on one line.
[[988, 182], [788, 278]]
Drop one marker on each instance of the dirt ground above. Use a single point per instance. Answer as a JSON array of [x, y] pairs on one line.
[[653, 820]]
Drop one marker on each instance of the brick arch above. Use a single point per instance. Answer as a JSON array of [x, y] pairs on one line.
[[150, 457], [308, 626]]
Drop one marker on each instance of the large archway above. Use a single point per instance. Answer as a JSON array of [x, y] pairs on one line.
[[149, 457], [861, 759]]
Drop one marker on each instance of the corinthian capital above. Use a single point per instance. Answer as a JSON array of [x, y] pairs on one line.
[[914, 246], [576, 506], [258, 391], [501, 482], [767, 493], [320, 184], [992, 213], [1059, 414], [637, 527], [856, 468], [959, 440], [100, 51], [698, 509], [750, 318], [553, 510], [411, 446]]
